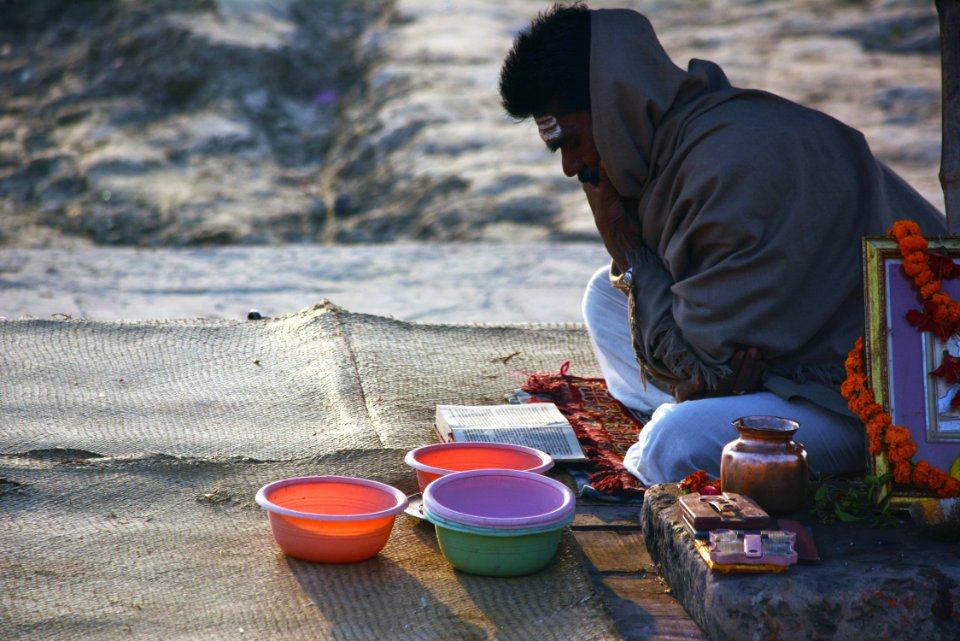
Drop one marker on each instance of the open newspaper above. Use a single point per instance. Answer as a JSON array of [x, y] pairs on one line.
[[537, 425]]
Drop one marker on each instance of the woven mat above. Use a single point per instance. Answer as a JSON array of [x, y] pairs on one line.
[[605, 427], [130, 455]]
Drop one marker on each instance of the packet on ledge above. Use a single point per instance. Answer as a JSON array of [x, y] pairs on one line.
[[736, 551]]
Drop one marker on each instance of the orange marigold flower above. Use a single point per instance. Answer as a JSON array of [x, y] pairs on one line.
[[901, 472], [914, 256], [849, 390], [897, 435], [875, 429], [694, 481], [900, 446], [853, 375], [937, 478], [903, 228], [905, 452], [913, 264], [881, 420], [861, 405], [951, 487], [924, 277], [921, 472], [912, 243], [930, 288]]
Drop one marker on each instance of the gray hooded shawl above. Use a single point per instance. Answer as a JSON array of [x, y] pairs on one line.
[[752, 210]]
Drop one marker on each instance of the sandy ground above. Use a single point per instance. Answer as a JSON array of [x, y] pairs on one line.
[[474, 283], [303, 162], [266, 122]]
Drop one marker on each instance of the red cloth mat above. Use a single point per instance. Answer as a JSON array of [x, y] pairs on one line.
[[604, 426]]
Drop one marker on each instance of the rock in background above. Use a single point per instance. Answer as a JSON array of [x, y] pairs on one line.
[[172, 123], [218, 122]]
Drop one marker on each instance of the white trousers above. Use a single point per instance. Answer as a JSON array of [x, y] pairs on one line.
[[685, 437]]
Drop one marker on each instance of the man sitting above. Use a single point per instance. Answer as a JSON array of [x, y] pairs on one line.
[[734, 219]]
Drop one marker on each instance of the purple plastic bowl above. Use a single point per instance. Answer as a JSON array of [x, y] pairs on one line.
[[507, 499]]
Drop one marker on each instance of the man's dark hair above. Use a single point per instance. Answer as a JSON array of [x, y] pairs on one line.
[[548, 67]]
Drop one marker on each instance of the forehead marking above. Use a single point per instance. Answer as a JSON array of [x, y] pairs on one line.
[[549, 128]]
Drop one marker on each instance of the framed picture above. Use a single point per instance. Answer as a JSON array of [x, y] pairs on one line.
[[899, 359]]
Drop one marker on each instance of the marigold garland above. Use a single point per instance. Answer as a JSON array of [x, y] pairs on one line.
[[941, 315]]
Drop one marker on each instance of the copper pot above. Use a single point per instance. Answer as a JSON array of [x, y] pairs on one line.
[[766, 464]]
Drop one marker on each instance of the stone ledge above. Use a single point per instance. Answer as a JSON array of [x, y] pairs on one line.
[[887, 583], [633, 593]]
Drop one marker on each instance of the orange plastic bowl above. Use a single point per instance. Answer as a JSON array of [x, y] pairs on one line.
[[331, 519], [433, 461]]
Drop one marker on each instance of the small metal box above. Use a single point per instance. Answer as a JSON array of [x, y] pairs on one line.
[[726, 510]]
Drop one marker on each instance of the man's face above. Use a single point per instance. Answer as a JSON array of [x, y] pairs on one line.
[[572, 135]]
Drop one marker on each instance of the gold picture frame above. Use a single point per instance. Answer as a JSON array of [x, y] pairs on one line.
[[899, 358]]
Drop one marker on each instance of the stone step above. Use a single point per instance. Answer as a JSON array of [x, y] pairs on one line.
[[871, 582], [636, 595]]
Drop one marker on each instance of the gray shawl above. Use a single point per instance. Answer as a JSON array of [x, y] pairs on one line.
[[752, 210]]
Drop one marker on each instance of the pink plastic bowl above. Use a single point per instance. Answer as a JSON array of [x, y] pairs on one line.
[[433, 461], [331, 519], [500, 499]]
